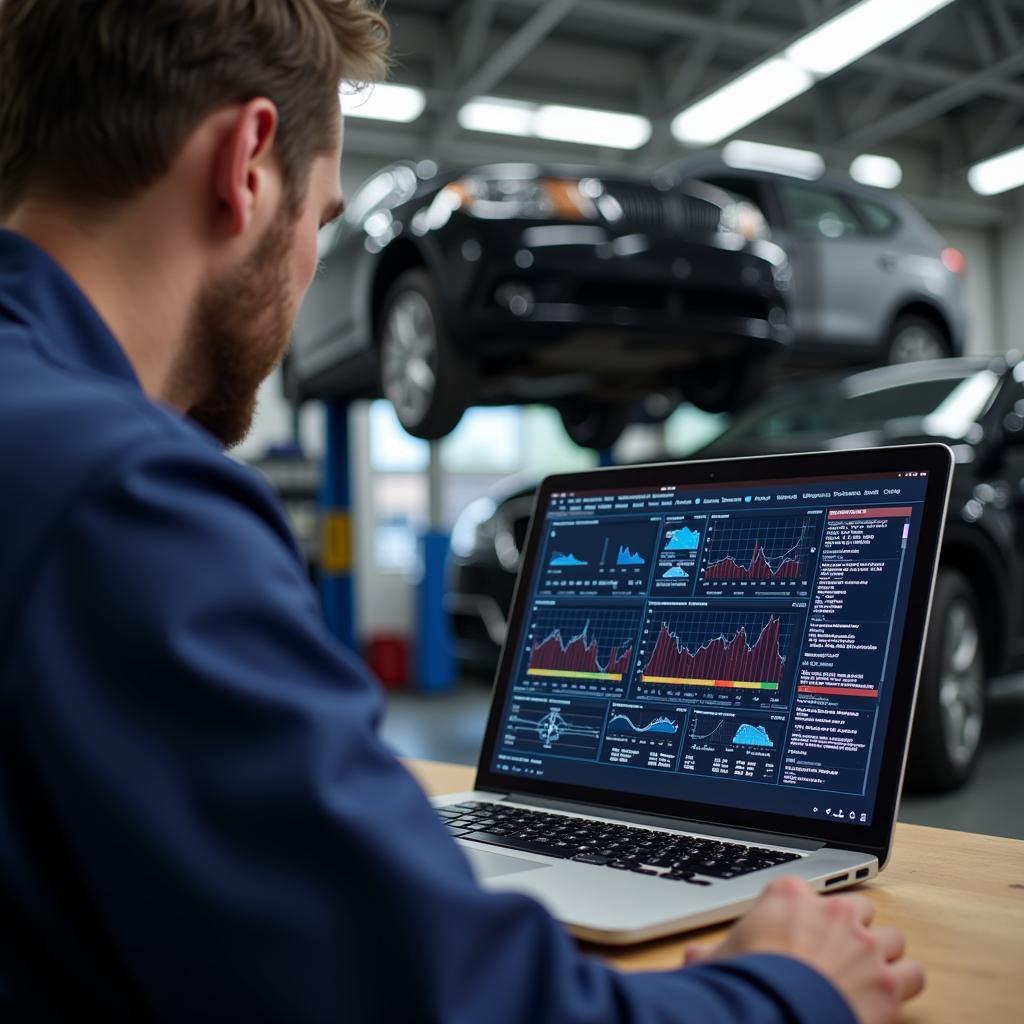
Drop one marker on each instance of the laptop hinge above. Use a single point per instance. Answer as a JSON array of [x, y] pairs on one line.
[[663, 821]]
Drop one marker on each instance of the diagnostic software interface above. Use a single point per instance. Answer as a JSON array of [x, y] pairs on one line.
[[734, 645]]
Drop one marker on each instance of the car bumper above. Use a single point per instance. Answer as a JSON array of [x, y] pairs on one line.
[[542, 284]]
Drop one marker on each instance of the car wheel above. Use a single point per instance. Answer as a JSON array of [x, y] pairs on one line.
[[913, 338], [595, 425], [728, 386], [950, 712], [428, 381]]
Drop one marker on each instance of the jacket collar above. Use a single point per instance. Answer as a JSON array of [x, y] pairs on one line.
[[37, 293]]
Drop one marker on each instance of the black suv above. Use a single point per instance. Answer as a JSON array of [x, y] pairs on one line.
[[977, 628]]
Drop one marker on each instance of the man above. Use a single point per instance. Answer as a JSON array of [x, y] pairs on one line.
[[197, 820]]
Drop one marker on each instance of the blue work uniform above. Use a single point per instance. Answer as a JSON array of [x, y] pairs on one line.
[[198, 821]]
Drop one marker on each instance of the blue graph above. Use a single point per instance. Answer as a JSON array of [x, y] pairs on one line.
[[676, 573], [628, 557], [659, 724], [559, 559], [753, 736], [684, 539]]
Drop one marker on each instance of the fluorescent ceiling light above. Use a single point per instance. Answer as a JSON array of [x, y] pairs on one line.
[[999, 174], [385, 102], [742, 101], [863, 28], [582, 125], [504, 117], [821, 52], [878, 171], [756, 156], [592, 127]]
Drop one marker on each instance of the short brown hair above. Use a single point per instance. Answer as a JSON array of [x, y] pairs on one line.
[[97, 97]]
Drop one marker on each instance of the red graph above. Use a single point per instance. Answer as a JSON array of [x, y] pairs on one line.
[[758, 569], [734, 658], [579, 655]]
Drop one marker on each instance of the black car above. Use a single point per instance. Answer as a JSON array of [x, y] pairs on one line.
[[977, 626], [512, 282]]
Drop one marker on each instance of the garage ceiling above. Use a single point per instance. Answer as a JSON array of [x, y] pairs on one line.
[[940, 97]]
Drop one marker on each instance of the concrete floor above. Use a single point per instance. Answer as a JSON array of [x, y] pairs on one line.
[[450, 727]]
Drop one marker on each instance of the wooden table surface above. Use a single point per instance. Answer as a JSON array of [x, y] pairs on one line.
[[958, 896]]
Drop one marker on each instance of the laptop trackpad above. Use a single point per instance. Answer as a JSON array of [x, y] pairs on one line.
[[490, 865]]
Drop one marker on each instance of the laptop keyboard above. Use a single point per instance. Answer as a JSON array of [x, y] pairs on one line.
[[680, 858]]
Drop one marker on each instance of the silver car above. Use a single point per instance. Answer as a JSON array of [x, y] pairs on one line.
[[872, 281]]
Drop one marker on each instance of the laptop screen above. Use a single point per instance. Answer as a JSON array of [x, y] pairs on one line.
[[734, 645]]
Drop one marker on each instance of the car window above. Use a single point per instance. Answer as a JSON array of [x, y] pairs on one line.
[[879, 219], [818, 213], [841, 409]]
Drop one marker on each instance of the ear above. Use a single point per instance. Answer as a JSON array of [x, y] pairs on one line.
[[246, 168]]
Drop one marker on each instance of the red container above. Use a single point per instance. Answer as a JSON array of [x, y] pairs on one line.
[[388, 655]]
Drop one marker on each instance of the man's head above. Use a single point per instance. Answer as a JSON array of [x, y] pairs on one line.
[[226, 109]]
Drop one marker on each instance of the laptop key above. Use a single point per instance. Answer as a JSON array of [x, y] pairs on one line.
[[591, 858], [526, 846]]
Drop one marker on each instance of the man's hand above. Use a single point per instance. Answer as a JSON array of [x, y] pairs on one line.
[[833, 936]]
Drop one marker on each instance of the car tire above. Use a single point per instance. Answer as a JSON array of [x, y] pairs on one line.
[[950, 715], [596, 425], [427, 380], [913, 338], [728, 386]]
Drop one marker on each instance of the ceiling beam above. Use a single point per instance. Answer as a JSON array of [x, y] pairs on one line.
[[514, 49], [762, 40], [930, 107], [1005, 28], [474, 37], [880, 94]]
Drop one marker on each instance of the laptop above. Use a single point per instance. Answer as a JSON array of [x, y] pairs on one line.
[[708, 682]]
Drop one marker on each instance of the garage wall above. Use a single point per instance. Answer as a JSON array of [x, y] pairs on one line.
[[1011, 279]]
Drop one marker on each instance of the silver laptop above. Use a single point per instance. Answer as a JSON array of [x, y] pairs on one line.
[[708, 682]]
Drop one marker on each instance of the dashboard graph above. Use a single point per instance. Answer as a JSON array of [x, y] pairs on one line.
[[571, 728], [623, 722], [740, 743], [754, 555], [706, 653], [683, 539], [576, 649], [592, 557]]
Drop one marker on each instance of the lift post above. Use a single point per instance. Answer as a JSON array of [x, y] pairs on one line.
[[337, 561], [434, 658]]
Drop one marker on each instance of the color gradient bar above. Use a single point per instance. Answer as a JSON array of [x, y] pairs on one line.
[[615, 676], [838, 691], [735, 684]]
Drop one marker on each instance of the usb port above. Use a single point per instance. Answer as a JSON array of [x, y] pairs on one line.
[[862, 873], [836, 880]]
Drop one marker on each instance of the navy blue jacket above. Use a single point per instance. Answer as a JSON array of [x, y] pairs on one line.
[[197, 819]]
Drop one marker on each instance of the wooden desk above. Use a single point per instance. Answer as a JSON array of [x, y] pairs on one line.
[[958, 896]]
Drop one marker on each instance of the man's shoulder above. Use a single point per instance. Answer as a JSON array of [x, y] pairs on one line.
[[66, 436], [71, 416]]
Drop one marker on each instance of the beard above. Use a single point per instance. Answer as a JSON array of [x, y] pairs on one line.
[[238, 332]]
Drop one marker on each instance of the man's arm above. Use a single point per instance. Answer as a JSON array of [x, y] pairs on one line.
[[247, 847]]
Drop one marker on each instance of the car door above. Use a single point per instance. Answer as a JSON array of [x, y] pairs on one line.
[[854, 277]]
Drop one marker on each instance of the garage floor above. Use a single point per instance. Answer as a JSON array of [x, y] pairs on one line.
[[449, 728]]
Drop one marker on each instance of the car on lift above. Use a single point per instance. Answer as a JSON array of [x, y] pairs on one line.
[[872, 281], [977, 628], [509, 283]]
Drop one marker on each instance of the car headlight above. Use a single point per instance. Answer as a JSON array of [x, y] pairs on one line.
[[504, 198], [745, 219]]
